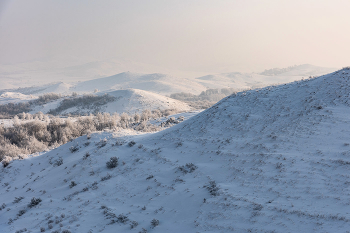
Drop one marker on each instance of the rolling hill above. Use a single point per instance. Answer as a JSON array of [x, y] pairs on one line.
[[274, 159], [128, 101]]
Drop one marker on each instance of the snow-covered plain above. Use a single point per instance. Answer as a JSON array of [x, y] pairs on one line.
[[274, 159]]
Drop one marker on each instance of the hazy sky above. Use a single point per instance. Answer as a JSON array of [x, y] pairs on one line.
[[195, 35]]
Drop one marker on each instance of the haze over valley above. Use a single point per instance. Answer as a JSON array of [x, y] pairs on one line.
[[174, 116]]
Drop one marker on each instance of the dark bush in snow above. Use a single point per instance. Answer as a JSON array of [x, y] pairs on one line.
[[112, 163], [188, 168], [22, 230], [17, 200], [3, 206], [5, 163], [58, 162], [74, 148], [34, 202], [131, 144], [66, 231], [102, 143], [72, 184], [122, 218], [107, 177], [154, 222], [21, 212], [212, 188], [134, 224], [87, 154]]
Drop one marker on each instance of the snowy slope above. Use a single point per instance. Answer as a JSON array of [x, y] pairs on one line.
[[269, 160]]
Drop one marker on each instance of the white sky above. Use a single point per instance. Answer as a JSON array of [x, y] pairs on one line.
[[191, 35]]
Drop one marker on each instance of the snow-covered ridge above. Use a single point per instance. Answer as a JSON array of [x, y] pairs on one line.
[[264, 160]]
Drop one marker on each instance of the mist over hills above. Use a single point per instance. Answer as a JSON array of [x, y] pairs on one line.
[[263, 160], [157, 83], [166, 84]]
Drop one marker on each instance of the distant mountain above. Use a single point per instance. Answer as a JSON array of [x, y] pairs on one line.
[[300, 70], [157, 83], [166, 84]]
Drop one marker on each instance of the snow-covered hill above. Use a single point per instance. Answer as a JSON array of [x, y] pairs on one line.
[[128, 101], [134, 100], [157, 83], [274, 159]]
